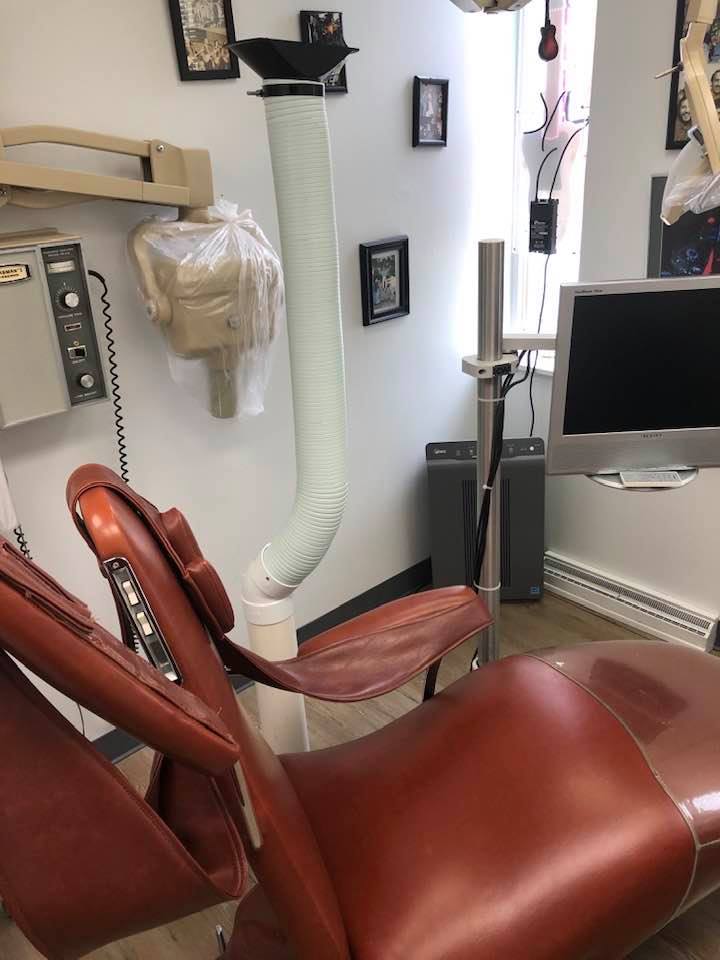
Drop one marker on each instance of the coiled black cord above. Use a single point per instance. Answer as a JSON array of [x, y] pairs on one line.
[[114, 377], [22, 542]]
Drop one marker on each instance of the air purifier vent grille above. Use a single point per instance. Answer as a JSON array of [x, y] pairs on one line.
[[469, 495]]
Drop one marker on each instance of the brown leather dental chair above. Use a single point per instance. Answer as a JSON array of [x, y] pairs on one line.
[[559, 806]]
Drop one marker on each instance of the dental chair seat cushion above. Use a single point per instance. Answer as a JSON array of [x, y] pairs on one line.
[[550, 807]]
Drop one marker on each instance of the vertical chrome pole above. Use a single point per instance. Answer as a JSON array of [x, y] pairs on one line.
[[490, 337]]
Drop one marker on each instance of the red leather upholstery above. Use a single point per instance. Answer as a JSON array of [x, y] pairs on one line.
[[346, 664], [83, 859], [54, 635], [516, 816], [117, 522], [665, 696], [553, 807]]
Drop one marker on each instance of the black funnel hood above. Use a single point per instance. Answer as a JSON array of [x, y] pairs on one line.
[[290, 59]]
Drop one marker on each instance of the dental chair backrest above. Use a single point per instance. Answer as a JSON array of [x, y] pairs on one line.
[[193, 614], [84, 860]]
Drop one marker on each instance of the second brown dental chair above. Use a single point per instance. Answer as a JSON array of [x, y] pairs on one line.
[[561, 806]]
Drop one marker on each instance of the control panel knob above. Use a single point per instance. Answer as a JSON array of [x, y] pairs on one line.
[[87, 381], [71, 300]]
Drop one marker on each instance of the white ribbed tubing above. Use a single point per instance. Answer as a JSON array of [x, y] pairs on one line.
[[302, 168]]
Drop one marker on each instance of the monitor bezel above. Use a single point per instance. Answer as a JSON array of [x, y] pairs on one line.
[[609, 453]]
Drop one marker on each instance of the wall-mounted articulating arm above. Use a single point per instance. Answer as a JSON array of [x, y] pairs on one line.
[[701, 15], [490, 6], [171, 176]]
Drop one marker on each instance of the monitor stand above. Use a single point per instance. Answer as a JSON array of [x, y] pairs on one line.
[[613, 481]]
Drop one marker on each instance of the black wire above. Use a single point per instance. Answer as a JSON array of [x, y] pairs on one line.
[[562, 156], [540, 170], [527, 133], [551, 118], [531, 394], [22, 541], [114, 378], [537, 352]]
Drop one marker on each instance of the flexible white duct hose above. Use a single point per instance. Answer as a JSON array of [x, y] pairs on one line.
[[302, 168]]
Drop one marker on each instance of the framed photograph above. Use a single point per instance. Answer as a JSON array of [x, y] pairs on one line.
[[202, 29], [430, 112], [321, 26], [689, 248], [679, 118], [385, 279]]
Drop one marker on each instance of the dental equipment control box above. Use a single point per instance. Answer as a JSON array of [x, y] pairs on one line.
[[49, 356]]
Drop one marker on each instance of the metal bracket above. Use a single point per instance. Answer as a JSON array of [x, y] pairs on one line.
[[489, 369], [519, 342]]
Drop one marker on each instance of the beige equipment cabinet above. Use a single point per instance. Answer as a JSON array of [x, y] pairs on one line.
[[49, 356], [37, 332]]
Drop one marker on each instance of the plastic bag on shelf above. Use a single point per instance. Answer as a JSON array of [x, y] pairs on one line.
[[214, 285], [691, 186]]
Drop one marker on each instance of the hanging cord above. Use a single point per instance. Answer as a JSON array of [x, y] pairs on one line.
[[562, 156], [528, 133], [537, 352], [22, 541], [114, 377], [552, 117], [508, 384], [540, 170]]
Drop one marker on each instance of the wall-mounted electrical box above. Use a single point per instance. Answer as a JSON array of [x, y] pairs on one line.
[[49, 356]]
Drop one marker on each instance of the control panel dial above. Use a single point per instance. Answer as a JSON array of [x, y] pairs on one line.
[[70, 299]]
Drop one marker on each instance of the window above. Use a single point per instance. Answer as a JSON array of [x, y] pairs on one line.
[[566, 86]]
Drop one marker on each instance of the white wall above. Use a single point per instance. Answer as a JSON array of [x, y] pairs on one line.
[[110, 66], [667, 542]]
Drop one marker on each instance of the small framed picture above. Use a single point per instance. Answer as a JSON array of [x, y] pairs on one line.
[[689, 248], [430, 112], [202, 29], [679, 116], [321, 26], [385, 279]]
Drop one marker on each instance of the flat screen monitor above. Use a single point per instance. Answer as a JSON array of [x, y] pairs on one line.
[[637, 377]]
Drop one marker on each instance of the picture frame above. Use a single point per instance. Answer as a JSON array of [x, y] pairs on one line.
[[679, 118], [689, 248], [385, 279], [326, 26], [202, 29], [431, 97]]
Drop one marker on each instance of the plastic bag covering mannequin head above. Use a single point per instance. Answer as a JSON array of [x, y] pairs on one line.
[[215, 286], [691, 185]]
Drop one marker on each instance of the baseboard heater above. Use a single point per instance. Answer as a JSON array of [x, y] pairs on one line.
[[629, 604]]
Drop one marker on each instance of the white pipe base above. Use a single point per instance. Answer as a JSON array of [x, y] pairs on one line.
[[283, 721]]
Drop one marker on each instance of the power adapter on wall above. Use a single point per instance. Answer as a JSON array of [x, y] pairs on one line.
[[544, 226]]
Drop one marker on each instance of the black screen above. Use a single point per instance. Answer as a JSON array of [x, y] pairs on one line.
[[644, 362]]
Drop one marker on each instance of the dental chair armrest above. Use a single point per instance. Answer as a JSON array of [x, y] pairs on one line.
[[374, 653]]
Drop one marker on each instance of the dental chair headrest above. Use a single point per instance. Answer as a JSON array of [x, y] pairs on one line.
[[198, 576]]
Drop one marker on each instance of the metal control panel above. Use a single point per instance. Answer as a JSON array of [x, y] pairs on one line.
[[49, 356], [140, 621], [532, 447]]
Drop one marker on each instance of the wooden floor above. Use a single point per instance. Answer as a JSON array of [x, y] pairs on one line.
[[696, 936]]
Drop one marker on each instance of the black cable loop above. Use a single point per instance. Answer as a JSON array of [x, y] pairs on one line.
[[114, 378]]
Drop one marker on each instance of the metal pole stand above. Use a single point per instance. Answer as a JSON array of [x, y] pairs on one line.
[[488, 368]]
